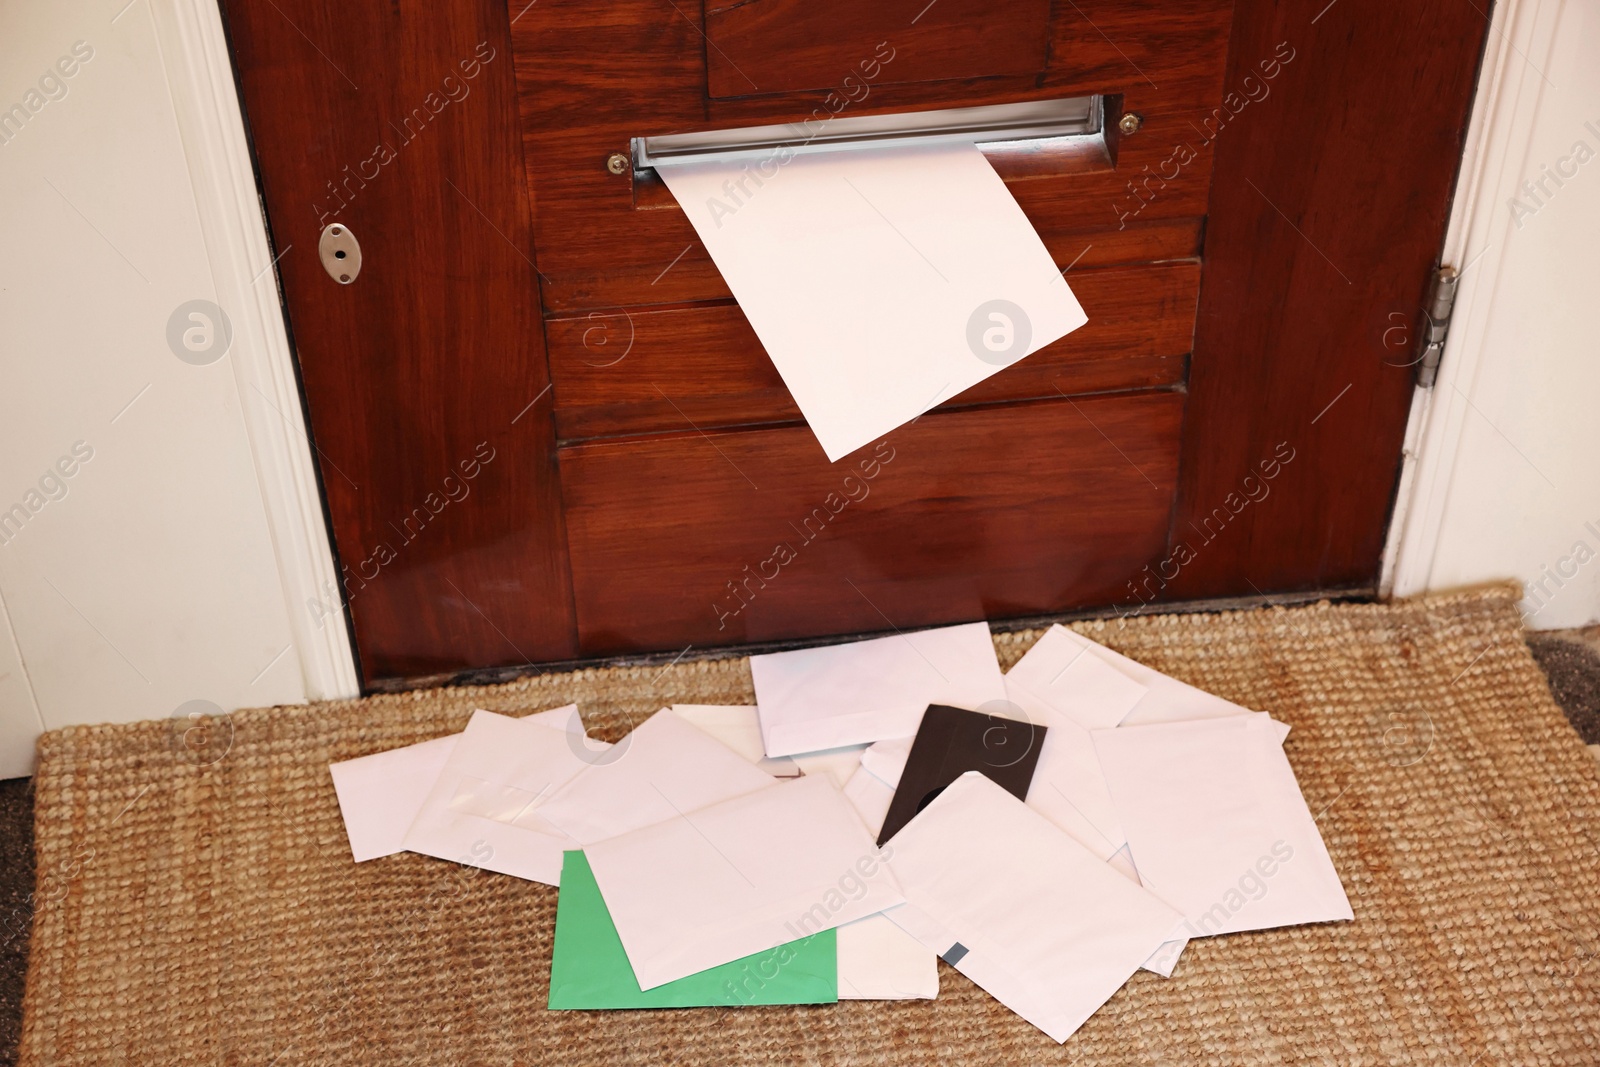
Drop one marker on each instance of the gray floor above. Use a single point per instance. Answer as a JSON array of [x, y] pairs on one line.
[[16, 906], [1571, 660]]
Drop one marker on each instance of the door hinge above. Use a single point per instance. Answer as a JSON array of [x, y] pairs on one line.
[[1441, 303]]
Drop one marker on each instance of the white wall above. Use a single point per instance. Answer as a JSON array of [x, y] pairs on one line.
[[1509, 479], [168, 566]]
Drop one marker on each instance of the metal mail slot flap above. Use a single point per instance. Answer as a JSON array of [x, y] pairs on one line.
[[1071, 117]]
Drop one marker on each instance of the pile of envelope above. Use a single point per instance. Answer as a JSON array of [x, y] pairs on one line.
[[887, 803]]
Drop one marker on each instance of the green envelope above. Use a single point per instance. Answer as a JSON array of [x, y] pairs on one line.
[[590, 969]]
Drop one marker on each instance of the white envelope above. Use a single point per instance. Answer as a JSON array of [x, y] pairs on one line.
[[739, 877], [932, 277], [1065, 683], [482, 809], [886, 759], [1165, 698], [838, 765], [1067, 787], [664, 768], [738, 727], [380, 794], [877, 959], [1165, 958], [880, 961], [1062, 673], [1217, 825], [1037, 920], [870, 796], [1122, 860], [865, 691]]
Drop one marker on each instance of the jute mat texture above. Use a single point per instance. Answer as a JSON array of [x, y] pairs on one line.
[[210, 914]]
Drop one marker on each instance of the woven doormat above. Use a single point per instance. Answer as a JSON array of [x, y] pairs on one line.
[[210, 914]]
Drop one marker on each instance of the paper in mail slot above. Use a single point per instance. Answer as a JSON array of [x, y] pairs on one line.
[[882, 282]]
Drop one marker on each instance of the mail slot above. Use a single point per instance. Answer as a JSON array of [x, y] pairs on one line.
[[632, 85], [1074, 118], [646, 83]]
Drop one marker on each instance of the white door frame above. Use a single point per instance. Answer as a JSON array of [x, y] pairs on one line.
[[1521, 41], [200, 76]]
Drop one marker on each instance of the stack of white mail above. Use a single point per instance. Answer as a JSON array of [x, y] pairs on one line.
[[1155, 813]]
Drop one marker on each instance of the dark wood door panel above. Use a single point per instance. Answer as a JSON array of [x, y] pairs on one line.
[[774, 46], [1140, 328], [439, 476], [591, 77], [1308, 253], [732, 537], [1152, 240], [599, 249], [650, 64], [1308, 153], [646, 371]]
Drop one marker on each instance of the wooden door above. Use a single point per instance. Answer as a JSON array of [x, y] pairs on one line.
[[546, 431]]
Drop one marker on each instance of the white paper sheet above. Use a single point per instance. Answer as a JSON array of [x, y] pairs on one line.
[[380, 794], [886, 759], [837, 765], [665, 768], [1068, 788], [1165, 698], [1065, 675], [739, 877], [1122, 860], [882, 282], [1041, 923], [482, 809], [1069, 684], [877, 959], [1065, 680], [738, 727], [880, 961], [1164, 960], [1217, 825], [865, 691], [871, 797]]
